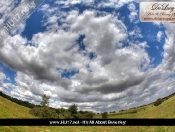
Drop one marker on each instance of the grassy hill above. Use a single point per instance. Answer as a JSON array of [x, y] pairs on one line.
[[164, 110], [9, 109]]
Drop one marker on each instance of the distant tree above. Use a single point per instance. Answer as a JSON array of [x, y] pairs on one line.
[[104, 115], [73, 109], [45, 101], [44, 111], [158, 102]]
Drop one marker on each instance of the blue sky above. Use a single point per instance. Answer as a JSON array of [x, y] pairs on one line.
[[96, 54]]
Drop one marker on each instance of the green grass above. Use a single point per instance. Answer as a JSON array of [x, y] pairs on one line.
[[165, 110], [9, 109]]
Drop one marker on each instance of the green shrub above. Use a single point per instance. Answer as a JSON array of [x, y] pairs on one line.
[[67, 115], [134, 111], [89, 115], [104, 115], [78, 116], [158, 102], [44, 112]]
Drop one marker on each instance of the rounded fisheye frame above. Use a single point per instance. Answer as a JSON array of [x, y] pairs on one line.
[[88, 63]]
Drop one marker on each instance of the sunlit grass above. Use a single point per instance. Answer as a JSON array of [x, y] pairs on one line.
[[10, 109]]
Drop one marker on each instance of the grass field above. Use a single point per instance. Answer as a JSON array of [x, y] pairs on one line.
[[9, 109]]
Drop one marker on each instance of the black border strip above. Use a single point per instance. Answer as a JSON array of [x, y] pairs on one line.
[[87, 122]]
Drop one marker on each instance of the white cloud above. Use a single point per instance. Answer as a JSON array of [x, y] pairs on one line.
[[6, 8], [44, 7], [99, 31], [159, 36], [131, 7], [133, 13], [113, 3], [67, 3], [2, 76], [169, 47], [136, 33], [169, 88]]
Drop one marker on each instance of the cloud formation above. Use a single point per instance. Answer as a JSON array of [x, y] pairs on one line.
[[108, 74]]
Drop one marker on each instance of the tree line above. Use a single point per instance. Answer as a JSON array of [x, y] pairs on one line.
[[15, 100], [43, 111]]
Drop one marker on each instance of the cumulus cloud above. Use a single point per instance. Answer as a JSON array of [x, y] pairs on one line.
[[100, 32], [169, 49]]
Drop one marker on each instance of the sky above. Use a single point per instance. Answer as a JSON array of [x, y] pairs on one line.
[[96, 54]]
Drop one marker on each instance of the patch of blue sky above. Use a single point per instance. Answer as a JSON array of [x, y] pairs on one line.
[[171, 76], [55, 99], [92, 55], [82, 47], [88, 68], [149, 32], [69, 73], [124, 16], [33, 25], [80, 42], [9, 74]]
